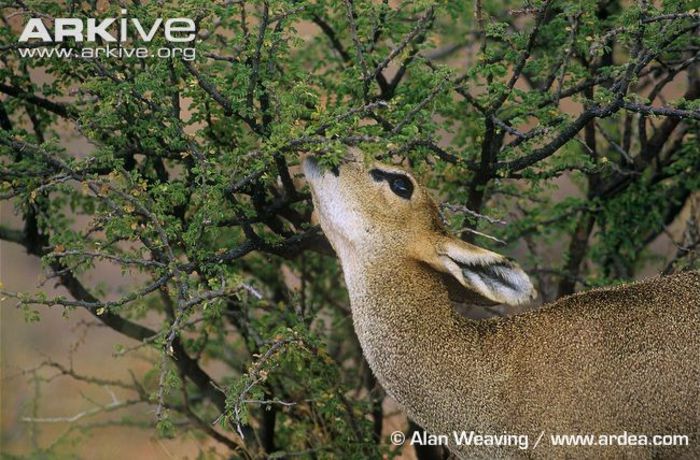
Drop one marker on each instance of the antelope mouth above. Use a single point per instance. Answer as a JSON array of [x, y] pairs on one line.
[[311, 168]]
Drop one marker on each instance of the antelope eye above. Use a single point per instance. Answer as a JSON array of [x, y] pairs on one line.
[[401, 186], [398, 183]]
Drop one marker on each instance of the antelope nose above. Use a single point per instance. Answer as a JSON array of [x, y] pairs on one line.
[[312, 170], [310, 167]]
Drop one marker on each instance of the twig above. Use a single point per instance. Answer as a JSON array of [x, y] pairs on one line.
[[478, 233], [419, 27], [663, 111], [458, 208], [114, 405]]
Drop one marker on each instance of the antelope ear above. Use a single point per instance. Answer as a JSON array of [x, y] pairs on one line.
[[484, 273]]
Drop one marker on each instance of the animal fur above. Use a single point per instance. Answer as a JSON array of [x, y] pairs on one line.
[[608, 361]]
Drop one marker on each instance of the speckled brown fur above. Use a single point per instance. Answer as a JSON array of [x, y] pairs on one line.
[[599, 362]]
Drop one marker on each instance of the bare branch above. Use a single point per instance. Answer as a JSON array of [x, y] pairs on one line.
[[54, 107], [662, 111]]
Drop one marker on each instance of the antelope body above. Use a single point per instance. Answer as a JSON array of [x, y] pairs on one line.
[[609, 361]]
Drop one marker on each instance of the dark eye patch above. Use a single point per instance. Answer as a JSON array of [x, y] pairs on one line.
[[377, 175], [400, 184]]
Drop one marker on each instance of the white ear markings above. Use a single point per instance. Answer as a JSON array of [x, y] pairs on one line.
[[484, 272]]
